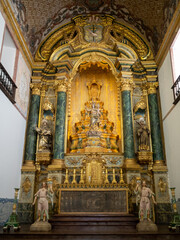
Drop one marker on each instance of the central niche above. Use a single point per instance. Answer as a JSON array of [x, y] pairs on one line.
[[94, 124]]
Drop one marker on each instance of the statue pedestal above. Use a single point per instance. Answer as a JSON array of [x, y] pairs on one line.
[[146, 226], [40, 226]]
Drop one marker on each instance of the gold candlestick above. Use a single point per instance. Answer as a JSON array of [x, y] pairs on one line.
[[106, 177], [74, 176], [173, 200], [82, 177], [114, 177], [67, 177], [121, 176]]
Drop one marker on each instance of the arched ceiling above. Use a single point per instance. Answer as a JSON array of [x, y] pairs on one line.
[[38, 18]]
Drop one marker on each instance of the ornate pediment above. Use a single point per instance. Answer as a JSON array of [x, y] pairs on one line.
[[94, 32]]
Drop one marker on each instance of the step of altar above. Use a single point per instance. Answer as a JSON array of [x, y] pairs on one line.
[[25, 234], [96, 223]]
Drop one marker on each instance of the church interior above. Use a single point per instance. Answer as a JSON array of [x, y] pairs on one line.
[[89, 97]]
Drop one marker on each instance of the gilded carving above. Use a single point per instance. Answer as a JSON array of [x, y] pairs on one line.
[[133, 183], [92, 30], [152, 86], [141, 104], [60, 85], [145, 157], [94, 164], [42, 158], [126, 84], [94, 58], [162, 185], [36, 88], [47, 105], [94, 132], [26, 185]]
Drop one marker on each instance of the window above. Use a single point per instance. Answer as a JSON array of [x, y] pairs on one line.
[[175, 56]]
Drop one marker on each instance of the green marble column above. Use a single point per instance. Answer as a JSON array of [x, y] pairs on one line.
[[60, 126], [31, 135], [127, 125], [156, 136]]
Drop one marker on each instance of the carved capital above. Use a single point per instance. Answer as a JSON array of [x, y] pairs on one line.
[[44, 88], [36, 88], [61, 85], [126, 84], [151, 87]]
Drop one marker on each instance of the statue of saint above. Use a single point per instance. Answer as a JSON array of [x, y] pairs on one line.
[[43, 194], [94, 116], [143, 135], [45, 136], [143, 196]]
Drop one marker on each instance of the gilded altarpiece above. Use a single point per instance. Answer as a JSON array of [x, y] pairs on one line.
[[94, 120], [79, 96]]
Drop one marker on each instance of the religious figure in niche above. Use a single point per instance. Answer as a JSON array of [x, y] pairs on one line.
[[143, 135], [143, 196], [42, 195], [94, 116], [45, 136], [94, 132]]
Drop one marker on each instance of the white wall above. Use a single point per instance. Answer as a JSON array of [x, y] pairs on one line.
[[12, 132], [8, 53], [171, 123], [2, 24]]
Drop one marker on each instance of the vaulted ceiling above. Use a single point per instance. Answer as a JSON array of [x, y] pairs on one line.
[[38, 18]]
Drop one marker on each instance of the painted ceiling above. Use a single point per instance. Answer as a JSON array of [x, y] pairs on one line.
[[38, 18]]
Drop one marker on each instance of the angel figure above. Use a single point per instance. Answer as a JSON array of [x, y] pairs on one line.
[[143, 196], [43, 194]]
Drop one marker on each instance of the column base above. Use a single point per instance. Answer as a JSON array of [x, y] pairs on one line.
[[159, 165], [28, 166], [131, 164], [57, 164]]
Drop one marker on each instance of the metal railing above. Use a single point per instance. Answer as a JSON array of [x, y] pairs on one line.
[[6, 84], [176, 90]]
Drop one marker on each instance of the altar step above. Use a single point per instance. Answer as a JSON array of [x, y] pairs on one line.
[[94, 223], [25, 234]]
